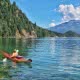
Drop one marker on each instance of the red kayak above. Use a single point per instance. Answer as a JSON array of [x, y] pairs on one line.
[[15, 59]]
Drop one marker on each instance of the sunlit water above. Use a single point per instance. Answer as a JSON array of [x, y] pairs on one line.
[[53, 59]]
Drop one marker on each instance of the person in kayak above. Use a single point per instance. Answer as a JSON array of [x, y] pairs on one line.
[[15, 53]]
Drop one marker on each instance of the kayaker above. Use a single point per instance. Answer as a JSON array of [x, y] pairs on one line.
[[15, 53]]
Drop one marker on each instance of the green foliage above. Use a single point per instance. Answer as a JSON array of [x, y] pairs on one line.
[[12, 19]]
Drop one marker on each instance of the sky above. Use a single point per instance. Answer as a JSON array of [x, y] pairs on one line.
[[49, 13]]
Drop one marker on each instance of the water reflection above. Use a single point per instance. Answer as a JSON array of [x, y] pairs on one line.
[[53, 59], [69, 55], [9, 44], [7, 70], [4, 71]]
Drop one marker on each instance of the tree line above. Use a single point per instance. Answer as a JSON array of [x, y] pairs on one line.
[[12, 19]]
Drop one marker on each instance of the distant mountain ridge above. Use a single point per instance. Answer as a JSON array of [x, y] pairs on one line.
[[72, 25], [71, 34]]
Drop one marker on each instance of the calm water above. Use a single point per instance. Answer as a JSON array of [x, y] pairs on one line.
[[53, 59]]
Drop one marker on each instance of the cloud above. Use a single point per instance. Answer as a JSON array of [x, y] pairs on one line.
[[52, 24], [69, 12]]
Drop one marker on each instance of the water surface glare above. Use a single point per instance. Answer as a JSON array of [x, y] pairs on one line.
[[53, 59]]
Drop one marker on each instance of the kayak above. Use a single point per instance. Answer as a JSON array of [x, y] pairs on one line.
[[15, 59]]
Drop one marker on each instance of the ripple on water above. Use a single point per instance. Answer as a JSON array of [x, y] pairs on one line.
[[53, 59]]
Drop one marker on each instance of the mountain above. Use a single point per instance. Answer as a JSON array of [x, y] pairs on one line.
[[72, 25], [14, 23], [71, 34]]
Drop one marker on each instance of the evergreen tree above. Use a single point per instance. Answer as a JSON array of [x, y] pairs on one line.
[[12, 19]]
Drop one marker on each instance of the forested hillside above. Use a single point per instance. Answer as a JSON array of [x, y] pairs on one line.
[[14, 23]]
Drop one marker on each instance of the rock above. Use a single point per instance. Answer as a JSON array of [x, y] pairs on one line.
[[26, 34]]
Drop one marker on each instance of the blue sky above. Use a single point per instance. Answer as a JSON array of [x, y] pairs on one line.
[[48, 13]]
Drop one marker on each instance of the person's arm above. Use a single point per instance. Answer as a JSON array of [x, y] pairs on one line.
[[13, 55]]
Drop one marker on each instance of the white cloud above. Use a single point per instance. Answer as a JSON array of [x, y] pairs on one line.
[[69, 12], [52, 24]]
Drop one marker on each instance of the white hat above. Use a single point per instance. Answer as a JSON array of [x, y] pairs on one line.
[[17, 50]]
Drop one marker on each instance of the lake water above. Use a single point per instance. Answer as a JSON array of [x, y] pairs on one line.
[[53, 59]]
